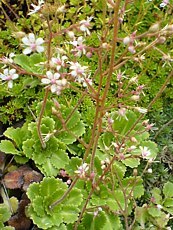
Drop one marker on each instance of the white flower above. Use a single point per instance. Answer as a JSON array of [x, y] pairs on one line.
[[9, 59], [36, 8], [79, 46], [150, 170], [59, 61], [145, 152], [9, 75], [84, 24], [141, 110], [81, 171], [78, 71], [122, 113], [32, 44], [164, 3], [56, 84]]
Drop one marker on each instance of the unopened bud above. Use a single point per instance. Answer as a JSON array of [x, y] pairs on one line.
[[161, 39], [135, 172], [133, 139], [154, 28], [131, 49], [126, 40], [135, 97], [169, 28], [19, 34], [89, 54], [150, 170], [70, 34], [105, 45]]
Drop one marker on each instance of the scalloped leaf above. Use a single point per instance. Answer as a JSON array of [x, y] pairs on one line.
[[70, 214], [119, 168], [141, 215], [92, 222], [132, 162], [18, 135], [5, 213], [38, 206], [112, 222], [168, 189], [74, 198], [32, 190], [29, 62], [7, 146], [134, 184], [59, 159], [156, 193]]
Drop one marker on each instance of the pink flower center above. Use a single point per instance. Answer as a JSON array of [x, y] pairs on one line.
[[33, 46], [53, 81]]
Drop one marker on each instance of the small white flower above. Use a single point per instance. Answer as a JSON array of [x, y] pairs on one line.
[[145, 152], [150, 170], [77, 70], [79, 46], [122, 113], [164, 3], [36, 8], [56, 84], [32, 44], [9, 76], [159, 206], [81, 171], [84, 24], [7, 60], [59, 61]]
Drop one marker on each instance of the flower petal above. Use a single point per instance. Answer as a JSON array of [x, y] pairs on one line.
[[10, 84], [12, 71], [45, 81], [26, 41], [49, 75], [28, 50], [31, 37], [15, 76], [53, 88], [40, 49], [39, 41]]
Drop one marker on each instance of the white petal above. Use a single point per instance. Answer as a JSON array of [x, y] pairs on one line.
[[3, 77], [40, 49], [26, 41], [31, 37], [12, 71], [28, 50], [56, 75], [15, 76], [6, 72], [39, 41], [49, 75], [10, 84], [45, 81], [53, 88]]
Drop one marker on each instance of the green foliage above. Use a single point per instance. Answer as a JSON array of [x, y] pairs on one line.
[[43, 195]]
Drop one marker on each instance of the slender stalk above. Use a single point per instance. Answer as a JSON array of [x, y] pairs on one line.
[[43, 144], [65, 194]]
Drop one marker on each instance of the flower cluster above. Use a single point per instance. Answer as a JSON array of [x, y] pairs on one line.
[[9, 76], [129, 41], [82, 170], [54, 82]]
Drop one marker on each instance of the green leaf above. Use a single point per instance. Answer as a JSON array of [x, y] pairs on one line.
[[141, 215], [70, 214], [156, 193], [112, 222], [7, 146], [168, 202], [38, 206], [119, 168], [154, 211], [5, 213], [91, 222], [168, 189], [59, 159], [131, 162]]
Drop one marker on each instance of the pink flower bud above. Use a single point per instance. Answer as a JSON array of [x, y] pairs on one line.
[[126, 40]]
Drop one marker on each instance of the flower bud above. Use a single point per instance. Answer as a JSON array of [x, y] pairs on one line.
[[170, 28], [126, 40], [135, 97], [135, 172], [161, 39], [150, 170], [131, 49], [154, 28], [105, 45]]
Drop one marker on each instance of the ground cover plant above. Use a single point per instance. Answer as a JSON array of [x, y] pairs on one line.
[[86, 87]]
